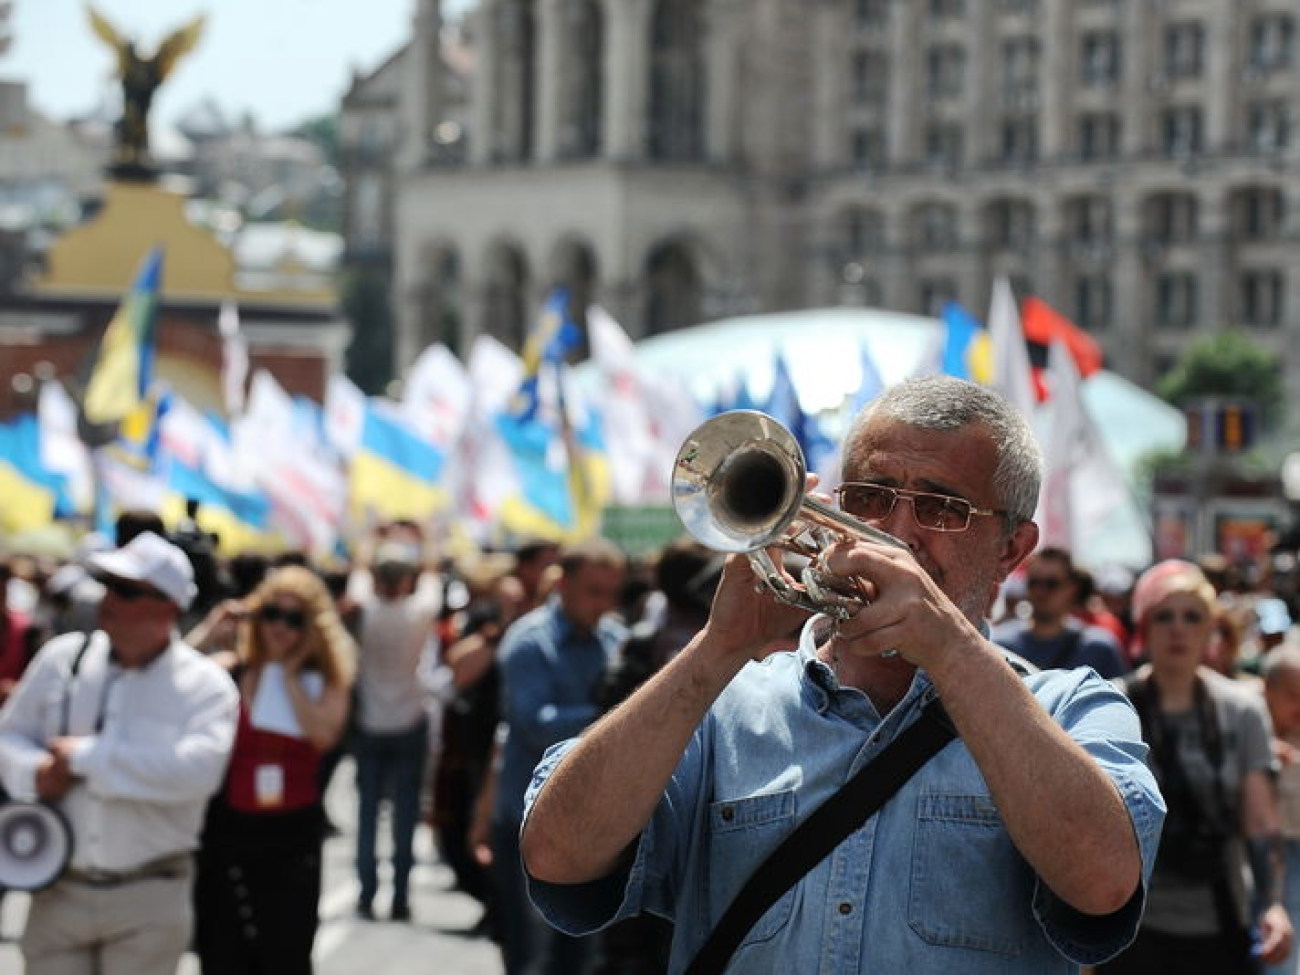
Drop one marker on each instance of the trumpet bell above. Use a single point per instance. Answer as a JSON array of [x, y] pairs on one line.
[[738, 481]]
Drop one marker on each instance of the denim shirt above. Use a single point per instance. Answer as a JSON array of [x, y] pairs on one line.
[[550, 674], [931, 884]]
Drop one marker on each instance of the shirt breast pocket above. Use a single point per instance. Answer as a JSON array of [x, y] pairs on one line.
[[742, 832], [970, 888]]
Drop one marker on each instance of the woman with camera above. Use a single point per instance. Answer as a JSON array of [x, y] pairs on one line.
[[259, 876], [1214, 904]]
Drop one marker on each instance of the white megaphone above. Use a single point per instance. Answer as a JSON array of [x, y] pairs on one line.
[[35, 845]]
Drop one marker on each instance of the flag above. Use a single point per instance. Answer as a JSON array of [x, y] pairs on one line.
[[481, 471], [1083, 488], [62, 451], [293, 464], [553, 337], [1012, 372], [966, 353], [33, 497], [345, 415], [395, 473], [783, 404], [436, 397], [123, 364], [234, 358], [1043, 324], [629, 429], [870, 385]]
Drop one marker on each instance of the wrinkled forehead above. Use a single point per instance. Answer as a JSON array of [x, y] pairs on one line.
[[886, 447]]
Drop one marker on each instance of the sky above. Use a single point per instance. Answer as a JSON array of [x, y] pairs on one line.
[[282, 60]]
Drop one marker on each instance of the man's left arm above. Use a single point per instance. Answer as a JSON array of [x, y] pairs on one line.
[[184, 767], [1064, 813]]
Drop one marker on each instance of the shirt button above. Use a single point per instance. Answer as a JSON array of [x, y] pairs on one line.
[[846, 908], [728, 813]]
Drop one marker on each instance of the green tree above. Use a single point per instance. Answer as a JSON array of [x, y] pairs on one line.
[[324, 131], [1227, 364]]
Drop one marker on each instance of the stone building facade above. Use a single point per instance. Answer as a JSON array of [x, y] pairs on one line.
[[1136, 163]]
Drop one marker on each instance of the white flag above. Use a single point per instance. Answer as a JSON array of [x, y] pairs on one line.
[[61, 448], [1084, 488], [481, 471], [234, 358], [629, 441], [345, 415], [436, 398], [1012, 374]]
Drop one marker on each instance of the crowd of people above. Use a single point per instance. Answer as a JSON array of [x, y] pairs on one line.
[[609, 745]]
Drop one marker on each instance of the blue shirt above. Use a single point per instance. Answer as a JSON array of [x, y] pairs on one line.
[[931, 884], [550, 673]]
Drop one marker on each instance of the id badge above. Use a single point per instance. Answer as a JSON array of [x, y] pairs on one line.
[[268, 785]]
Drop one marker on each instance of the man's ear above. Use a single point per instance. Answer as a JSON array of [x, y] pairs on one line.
[[1017, 547]]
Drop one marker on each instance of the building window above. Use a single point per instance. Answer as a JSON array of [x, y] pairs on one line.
[[943, 145], [1088, 220], [1099, 136], [1092, 301], [1010, 224], [1019, 6], [936, 227], [934, 293], [1261, 296], [1259, 213], [1172, 218], [1184, 50], [1272, 42], [1176, 300], [1181, 131], [947, 9], [870, 73], [1020, 70], [1099, 59], [1020, 140], [944, 70], [864, 232], [1268, 126], [678, 79], [871, 14], [868, 149]]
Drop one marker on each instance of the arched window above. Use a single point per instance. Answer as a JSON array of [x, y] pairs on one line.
[[672, 289], [505, 297], [677, 82]]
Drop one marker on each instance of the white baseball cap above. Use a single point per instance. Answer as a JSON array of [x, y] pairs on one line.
[[153, 560]]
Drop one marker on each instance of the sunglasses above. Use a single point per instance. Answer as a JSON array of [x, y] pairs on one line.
[[129, 591], [1189, 617], [295, 619], [1046, 583]]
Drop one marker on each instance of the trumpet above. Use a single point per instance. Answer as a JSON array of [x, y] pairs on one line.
[[738, 486]]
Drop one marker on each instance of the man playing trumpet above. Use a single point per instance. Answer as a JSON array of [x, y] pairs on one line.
[[1023, 846]]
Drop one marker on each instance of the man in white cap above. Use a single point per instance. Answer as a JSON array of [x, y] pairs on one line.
[[126, 731]]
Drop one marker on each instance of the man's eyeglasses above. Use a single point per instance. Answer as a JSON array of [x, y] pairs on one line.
[[936, 512], [295, 619], [127, 590]]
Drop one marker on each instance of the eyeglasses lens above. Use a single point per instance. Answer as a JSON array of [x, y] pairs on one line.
[[292, 618]]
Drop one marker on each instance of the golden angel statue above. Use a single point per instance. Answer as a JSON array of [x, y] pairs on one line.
[[140, 78]]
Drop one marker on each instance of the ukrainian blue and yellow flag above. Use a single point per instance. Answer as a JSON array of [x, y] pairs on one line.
[[33, 496], [968, 351], [123, 367], [395, 473], [554, 336]]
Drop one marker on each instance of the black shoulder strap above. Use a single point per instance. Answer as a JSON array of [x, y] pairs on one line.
[[73, 671], [810, 843]]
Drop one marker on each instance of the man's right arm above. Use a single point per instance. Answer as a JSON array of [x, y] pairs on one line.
[[23, 723], [603, 793]]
